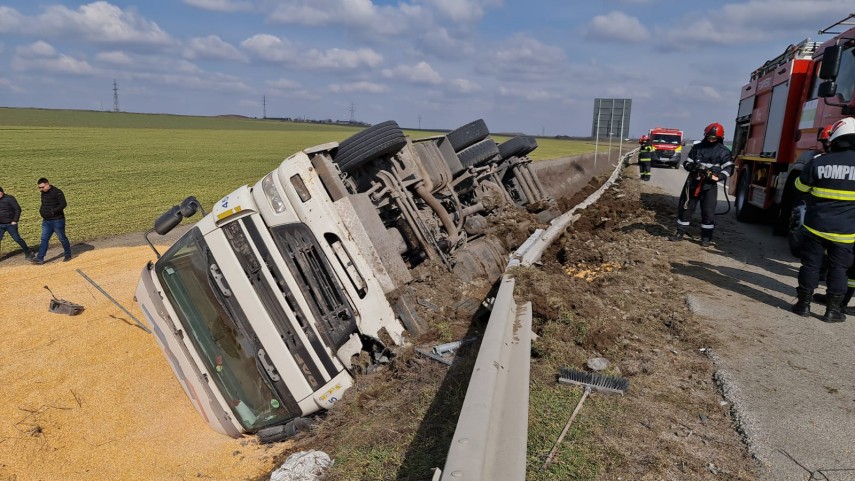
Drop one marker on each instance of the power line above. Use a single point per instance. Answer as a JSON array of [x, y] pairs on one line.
[[115, 96]]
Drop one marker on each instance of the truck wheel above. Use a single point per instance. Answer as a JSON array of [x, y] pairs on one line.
[[479, 153], [745, 212], [517, 146], [466, 135], [376, 141]]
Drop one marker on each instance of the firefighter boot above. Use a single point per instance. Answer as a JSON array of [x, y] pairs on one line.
[[802, 307], [705, 241], [833, 309], [677, 236], [844, 304]]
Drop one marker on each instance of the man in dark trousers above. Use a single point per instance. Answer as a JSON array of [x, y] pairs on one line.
[[10, 214], [53, 220], [829, 225], [645, 157], [708, 162]]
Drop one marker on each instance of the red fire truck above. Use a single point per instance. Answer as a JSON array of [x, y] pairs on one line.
[[784, 105], [668, 144]]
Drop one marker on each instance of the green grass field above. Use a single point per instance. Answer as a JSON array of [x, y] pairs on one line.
[[120, 171]]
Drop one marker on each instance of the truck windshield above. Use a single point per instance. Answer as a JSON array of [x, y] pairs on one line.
[[666, 139], [214, 324]]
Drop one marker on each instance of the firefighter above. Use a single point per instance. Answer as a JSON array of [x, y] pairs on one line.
[[829, 226], [645, 156], [708, 162]]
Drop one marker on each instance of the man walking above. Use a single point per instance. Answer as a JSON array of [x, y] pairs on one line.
[[10, 214], [829, 225], [53, 220]]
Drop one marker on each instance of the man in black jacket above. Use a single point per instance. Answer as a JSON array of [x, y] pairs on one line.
[[10, 214], [708, 162], [829, 225], [53, 215]]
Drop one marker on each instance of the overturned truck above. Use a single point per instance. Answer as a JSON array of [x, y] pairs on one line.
[[261, 306]]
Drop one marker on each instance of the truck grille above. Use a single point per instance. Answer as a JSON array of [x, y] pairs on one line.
[[252, 267], [665, 154]]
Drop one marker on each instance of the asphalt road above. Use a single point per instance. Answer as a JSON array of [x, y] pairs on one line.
[[789, 378]]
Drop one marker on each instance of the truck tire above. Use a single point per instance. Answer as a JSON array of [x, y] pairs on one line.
[[517, 146], [468, 134], [745, 212], [478, 153], [376, 141]]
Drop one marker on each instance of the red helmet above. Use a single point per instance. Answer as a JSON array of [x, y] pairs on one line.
[[714, 130], [643, 139], [824, 133]]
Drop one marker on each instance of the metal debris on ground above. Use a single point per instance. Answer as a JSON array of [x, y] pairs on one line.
[[62, 306], [108, 296]]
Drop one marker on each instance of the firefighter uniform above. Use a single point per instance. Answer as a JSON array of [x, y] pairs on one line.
[[645, 157], [704, 160], [829, 229]]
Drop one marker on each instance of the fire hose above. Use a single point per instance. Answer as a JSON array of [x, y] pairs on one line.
[[701, 176]]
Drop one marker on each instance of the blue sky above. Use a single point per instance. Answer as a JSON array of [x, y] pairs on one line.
[[531, 66]]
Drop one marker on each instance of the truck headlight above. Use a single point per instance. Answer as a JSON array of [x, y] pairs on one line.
[[272, 194]]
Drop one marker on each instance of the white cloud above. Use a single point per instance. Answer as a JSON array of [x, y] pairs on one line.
[[616, 27], [212, 47], [115, 58], [221, 5], [42, 57], [269, 48], [369, 87], [534, 95], [464, 86], [526, 59], [99, 22], [340, 59], [463, 11], [361, 15], [421, 73], [283, 84], [11, 21]]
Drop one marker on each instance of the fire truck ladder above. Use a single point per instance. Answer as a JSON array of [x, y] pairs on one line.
[[845, 22]]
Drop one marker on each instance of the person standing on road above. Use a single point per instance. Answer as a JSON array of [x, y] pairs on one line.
[[10, 214], [829, 226], [645, 157], [53, 220], [708, 162]]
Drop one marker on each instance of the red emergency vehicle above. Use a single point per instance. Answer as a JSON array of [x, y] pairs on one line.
[[668, 144], [784, 105]]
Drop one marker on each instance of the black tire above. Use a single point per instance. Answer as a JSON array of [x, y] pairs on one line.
[[467, 135], [517, 146], [479, 153], [376, 141], [745, 212]]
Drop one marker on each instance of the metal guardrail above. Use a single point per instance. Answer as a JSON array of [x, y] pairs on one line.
[[491, 437]]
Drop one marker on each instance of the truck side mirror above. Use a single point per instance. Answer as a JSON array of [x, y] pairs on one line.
[[168, 220], [827, 89], [830, 62], [188, 206]]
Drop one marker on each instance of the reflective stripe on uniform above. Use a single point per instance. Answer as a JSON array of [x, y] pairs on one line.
[[679, 222], [707, 226], [832, 194], [839, 238], [802, 187]]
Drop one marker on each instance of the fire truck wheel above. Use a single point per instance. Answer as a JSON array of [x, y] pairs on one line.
[[745, 212], [382, 139], [468, 134]]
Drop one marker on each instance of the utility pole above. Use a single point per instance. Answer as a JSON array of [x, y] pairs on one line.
[[352, 112], [115, 96], [597, 135], [264, 104]]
